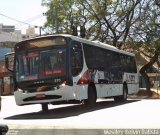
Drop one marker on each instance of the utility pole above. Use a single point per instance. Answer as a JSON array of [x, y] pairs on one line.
[[56, 21], [40, 30]]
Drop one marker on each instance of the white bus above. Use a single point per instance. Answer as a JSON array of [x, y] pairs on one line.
[[58, 68]]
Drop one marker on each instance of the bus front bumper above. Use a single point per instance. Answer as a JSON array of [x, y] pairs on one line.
[[61, 94]]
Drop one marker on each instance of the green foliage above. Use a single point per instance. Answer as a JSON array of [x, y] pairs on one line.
[[146, 29], [59, 14], [116, 21], [104, 19]]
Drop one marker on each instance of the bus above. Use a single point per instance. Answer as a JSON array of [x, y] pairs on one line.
[[62, 68]]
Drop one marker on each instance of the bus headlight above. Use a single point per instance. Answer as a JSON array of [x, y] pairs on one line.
[[19, 89], [75, 94], [63, 85]]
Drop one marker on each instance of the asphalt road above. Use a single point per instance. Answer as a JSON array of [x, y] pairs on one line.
[[79, 119]]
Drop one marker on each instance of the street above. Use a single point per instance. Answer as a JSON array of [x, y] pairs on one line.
[[136, 114]]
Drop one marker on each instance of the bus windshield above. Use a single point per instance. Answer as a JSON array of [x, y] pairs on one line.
[[40, 64], [43, 66]]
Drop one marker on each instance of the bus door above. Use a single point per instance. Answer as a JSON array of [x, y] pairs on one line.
[[76, 64], [116, 74]]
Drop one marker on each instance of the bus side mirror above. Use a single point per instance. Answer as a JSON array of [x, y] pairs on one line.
[[9, 61]]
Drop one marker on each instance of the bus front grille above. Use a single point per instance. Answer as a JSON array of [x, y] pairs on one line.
[[46, 97]]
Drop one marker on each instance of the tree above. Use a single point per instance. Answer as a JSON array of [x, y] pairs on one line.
[[105, 20], [60, 15], [146, 36], [111, 20]]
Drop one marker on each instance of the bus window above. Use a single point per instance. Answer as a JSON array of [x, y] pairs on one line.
[[133, 67], [76, 58], [116, 69], [128, 64], [52, 62], [27, 65], [91, 56]]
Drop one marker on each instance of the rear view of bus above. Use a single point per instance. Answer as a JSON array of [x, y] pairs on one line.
[[40, 70]]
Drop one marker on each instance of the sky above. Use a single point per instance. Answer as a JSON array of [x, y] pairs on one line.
[[28, 11]]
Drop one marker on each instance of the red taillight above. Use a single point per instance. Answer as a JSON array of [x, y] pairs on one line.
[[84, 78]]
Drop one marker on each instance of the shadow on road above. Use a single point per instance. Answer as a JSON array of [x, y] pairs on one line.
[[69, 111]]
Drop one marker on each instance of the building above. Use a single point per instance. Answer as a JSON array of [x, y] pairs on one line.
[[8, 38], [30, 32], [6, 80], [7, 28]]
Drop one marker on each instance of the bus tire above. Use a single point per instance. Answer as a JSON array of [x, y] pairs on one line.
[[122, 98], [44, 107], [125, 93], [92, 95]]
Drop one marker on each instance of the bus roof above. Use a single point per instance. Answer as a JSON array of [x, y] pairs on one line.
[[98, 44], [89, 42]]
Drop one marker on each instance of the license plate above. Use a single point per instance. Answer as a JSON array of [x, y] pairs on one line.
[[40, 95]]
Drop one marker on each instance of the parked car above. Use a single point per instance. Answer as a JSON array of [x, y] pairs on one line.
[[3, 129]]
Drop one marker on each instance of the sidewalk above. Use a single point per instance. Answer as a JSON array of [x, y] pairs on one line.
[[142, 94]]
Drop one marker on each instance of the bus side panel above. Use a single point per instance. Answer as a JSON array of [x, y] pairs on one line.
[[109, 90], [132, 82], [133, 88], [81, 92]]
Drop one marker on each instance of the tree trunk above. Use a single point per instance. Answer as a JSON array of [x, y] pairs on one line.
[[143, 72], [147, 80]]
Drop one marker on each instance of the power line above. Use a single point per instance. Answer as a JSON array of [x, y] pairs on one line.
[[15, 19], [31, 19], [40, 27]]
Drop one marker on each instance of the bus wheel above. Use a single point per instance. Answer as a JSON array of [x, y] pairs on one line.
[[92, 96], [44, 107], [125, 92]]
